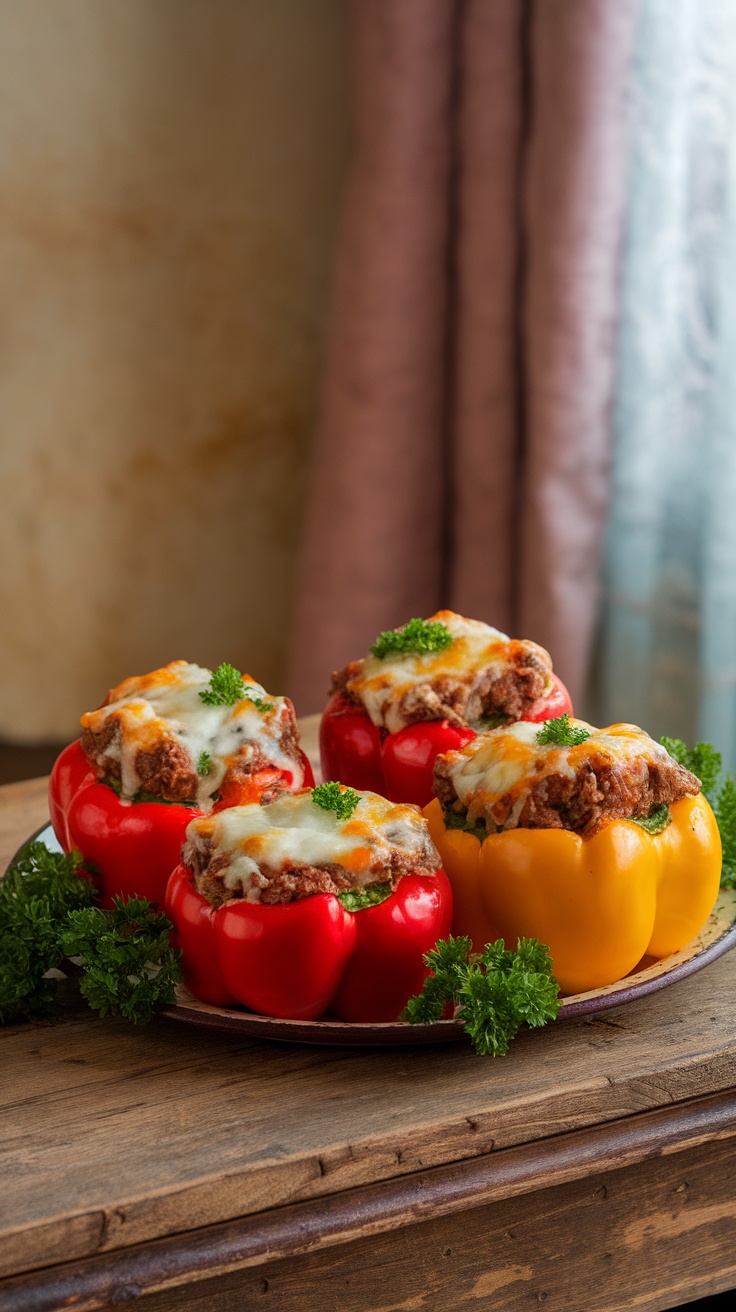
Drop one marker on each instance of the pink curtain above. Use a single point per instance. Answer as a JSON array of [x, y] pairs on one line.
[[462, 453]]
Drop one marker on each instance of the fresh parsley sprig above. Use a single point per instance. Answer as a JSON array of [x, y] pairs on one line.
[[704, 761], [418, 637], [36, 895], [204, 764], [496, 991], [560, 733], [335, 797], [128, 966], [225, 687]]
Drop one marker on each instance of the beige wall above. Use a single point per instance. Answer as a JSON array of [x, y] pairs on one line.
[[170, 173]]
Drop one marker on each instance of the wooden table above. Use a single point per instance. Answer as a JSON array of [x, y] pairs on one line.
[[594, 1167]]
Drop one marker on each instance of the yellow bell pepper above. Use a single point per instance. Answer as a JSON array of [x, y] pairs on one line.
[[600, 903]]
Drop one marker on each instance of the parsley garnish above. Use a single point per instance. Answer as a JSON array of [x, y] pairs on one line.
[[496, 991], [225, 687], [657, 821], [46, 914], [459, 820], [726, 817], [418, 636], [36, 896], [259, 702], [335, 797], [129, 967], [204, 763], [704, 761], [359, 899], [561, 733]]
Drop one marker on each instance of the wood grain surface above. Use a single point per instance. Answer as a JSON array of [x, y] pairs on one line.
[[115, 1138], [357, 1214], [648, 1238], [112, 1136]]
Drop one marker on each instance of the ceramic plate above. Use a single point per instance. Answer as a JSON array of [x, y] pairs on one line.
[[715, 938]]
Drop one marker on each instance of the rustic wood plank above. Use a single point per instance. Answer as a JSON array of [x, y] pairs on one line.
[[645, 1238], [603, 1157], [23, 809], [160, 1130]]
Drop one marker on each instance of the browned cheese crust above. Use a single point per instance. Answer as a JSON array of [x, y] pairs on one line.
[[470, 694], [602, 790]]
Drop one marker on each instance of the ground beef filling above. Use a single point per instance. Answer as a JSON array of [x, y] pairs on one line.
[[294, 880], [167, 771], [602, 790], [469, 695]]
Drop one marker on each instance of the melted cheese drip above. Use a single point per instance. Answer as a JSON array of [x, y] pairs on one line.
[[293, 830], [508, 762], [166, 705], [381, 684]]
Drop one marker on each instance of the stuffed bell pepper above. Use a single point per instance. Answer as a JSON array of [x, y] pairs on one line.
[[162, 748], [595, 841], [428, 688], [321, 901]]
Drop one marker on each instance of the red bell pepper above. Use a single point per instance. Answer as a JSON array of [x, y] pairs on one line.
[[133, 846], [400, 765], [298, 960]]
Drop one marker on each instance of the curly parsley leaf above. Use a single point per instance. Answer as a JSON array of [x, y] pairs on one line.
[[335, 797], [705, 762], [417, 637], [560, 733], [459, 820], [725, 812], [129, 966], [36, 894], [225, 687], [657, 821], [359, 899], [47, 914], [701, 760], [447, 959], [204, 764], [495, 993]]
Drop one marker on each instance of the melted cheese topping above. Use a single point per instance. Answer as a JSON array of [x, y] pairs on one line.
[[381, 684], [506, 763], [165, 705], [294, 831]]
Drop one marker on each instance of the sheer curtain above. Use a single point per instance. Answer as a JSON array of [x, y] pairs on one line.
[[668, 639]]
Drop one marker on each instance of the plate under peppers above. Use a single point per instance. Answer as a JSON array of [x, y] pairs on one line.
[[717, 936]]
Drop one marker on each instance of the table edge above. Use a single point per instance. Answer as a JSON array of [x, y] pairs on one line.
[[301, 1228]]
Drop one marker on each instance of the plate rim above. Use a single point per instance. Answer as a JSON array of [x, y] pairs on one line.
[[376, 1033]]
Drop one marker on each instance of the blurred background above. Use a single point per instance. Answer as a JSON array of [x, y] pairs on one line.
[[171, 175], [316, 317]]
